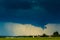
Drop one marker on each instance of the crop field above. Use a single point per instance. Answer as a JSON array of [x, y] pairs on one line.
[[30, 38]]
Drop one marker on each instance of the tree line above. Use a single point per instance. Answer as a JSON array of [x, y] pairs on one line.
[[55, 34]]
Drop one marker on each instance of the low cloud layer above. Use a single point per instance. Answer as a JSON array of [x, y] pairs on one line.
[[51, 28], [16, 29], [23, 29]]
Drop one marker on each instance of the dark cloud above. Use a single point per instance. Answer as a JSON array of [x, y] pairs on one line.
[[21, 11]]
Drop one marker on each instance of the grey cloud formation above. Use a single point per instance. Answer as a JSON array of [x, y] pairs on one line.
[[51, 28]]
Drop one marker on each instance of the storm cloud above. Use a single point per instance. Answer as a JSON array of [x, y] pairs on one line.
[[35, 12]]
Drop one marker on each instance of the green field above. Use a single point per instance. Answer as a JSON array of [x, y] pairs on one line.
[[29, 38]]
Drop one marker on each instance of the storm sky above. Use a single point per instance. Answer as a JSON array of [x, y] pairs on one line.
[[35, 12]]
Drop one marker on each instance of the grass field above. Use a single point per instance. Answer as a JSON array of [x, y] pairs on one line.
[[29, 38]]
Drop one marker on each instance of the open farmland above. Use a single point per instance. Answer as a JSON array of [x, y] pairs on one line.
[[30, 38]]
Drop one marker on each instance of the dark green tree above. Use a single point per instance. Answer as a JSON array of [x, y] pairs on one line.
[[55, 34], [44, 35]]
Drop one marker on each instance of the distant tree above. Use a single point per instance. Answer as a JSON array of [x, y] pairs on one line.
[[44, 35], [38, 35], [55, 34], [29, 36], [2, 36]]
